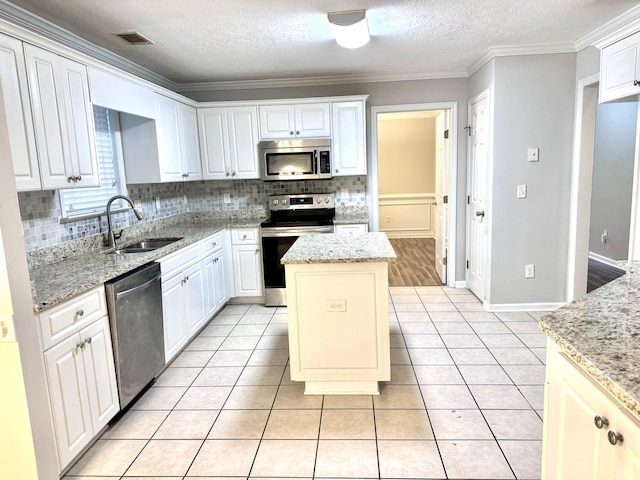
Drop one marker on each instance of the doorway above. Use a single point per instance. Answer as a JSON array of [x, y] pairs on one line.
[[415, 214]]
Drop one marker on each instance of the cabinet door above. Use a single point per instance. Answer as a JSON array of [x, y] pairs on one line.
[[175, 335], [100, 373], [210, 286], [214, 143], [247, 271], [627, 454], [189, 142], [355, 229], [620, 69], [313, 120], [47, 103], [219, 279], [79, 123], [277, 121], [169, 150], [348, 148], [243, 142], [195, 309], [69, 398], [16, 115]]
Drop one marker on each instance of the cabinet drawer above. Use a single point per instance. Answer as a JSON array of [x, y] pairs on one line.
[[245, 236], [70, 317], [211, 244], [177, 261]]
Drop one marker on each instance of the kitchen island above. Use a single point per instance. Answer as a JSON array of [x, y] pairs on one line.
[[337, 294], [592, 391]]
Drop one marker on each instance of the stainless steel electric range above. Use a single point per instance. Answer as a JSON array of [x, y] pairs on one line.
[[291, 216]]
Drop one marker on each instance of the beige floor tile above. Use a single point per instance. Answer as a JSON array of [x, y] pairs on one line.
[[402, 290], [423, 341], [229, 358], [177, 377], [456, 291], [540, 352], [261, 375], [515, 356], [534, 395], [469, 307], [400, 356], [255, 319], [515, 316], [448, 317], [277, 329], [526, 374], [136, 478], [136, 424], [484, 375], [447, 397], [224, 458], [472, 356], [403, 424], [409, 459], [192, 359], [489, 327], [292, 397], [239, 343], [473, 317], [280, 318], [402, 375], [454, 328], [257, 308], [409, 328], [268, 342], [293, 424], [216, 330], [405, 298], [538, 315], [409, 307], [459, 425], [435, 298], [347, 458], [499, 397], [462, 341], [204, 398], [514, 424], [440, 307], [159, 398], [474, 459], [430, 356], [205, 343], [438, 375], [248, 330], [398, 396], [165, 457], [251, 397], [268, 357], [239, 424], [498, 340], [397, 341], [285, 458], [347, 425], [429, 290], [348, 402], [530, 326], [108, 458], [413, 317], [186, 425], [525, 458], [218, 377], [470, 298], [533, 340], [233, 309]]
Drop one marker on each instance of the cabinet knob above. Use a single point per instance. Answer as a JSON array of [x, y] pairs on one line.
[[78, 178], [233, 174], [615, 437], [297, 132], [636, 83], [78, 346], [185, 175], [257, 250], [80, 313], [244, 236], [213, 244], [600, 422], [226, 174], [71, 179], [337, 170], [87, 340]]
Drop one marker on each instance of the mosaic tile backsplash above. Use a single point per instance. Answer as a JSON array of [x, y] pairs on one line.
[[40, 210]]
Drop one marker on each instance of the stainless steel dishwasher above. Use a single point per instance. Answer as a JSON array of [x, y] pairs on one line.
[[134, 301]]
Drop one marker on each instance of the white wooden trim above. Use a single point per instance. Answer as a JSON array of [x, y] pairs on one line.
[[602, 259], [518, 50], [523, 307], [460, 284], [428, 200], [406, 198], [612, 31], [634, 227]]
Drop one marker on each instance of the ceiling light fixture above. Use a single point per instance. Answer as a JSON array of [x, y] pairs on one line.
[[350, 28]]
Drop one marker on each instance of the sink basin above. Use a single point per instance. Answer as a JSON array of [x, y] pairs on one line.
[[147, 245]]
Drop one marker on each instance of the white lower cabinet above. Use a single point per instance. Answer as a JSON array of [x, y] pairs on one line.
[[215, 284], [587, 433], [247, 262], [82, 387]]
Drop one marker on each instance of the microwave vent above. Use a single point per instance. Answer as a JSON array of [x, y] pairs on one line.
[[134, 38]]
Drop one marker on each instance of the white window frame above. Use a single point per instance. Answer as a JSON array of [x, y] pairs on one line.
[[65, 195]]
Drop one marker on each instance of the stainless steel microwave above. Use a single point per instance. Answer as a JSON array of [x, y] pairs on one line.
[[308, 159]]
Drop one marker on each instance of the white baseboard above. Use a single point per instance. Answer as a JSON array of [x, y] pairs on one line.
[[460, 284], [408, 233], [523, 307], [602, 259]]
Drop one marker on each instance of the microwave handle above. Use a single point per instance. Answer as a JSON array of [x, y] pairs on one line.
[[315, 162]]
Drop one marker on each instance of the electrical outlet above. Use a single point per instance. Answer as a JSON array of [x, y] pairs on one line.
[[344, 192], [533, 154], [388, 219], [522, 191], [158, 203], [529, 271], [336, 305], [227, 198]]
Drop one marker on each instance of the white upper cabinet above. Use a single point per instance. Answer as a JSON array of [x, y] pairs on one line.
[[190, 151], [228, 142], [304, 120], [16, 115], [620, 69], [120, 94], [348, 144], [63, 120]]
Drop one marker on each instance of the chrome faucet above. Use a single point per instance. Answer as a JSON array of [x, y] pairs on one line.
[[110, 237]]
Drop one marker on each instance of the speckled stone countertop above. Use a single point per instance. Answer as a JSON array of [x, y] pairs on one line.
[[351, 215], [84, 268], [601, 333], [334, 248]]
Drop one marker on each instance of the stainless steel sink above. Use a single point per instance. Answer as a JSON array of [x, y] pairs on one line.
[[146, 245]]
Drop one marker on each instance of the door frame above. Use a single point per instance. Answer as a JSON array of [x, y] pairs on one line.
[[372, 178]]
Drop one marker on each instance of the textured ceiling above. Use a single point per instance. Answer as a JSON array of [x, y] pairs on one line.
[[230, 40]]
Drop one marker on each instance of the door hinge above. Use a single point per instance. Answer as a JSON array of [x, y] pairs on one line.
[[467, 264], [446, 133], [445, 199], [468, 129], [468, 199], [444, 261]]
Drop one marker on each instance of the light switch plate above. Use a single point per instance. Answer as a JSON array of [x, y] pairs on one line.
[[533, 154], [522, 191]]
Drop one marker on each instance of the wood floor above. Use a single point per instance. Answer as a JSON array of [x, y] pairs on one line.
[[415, 265], [599, 274]]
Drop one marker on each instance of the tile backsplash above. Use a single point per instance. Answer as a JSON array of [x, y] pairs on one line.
[[40, 210]]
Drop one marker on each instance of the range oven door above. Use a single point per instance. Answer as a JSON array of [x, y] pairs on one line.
[[274, 246]]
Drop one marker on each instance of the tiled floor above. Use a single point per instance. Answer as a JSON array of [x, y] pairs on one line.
[[464, 402]]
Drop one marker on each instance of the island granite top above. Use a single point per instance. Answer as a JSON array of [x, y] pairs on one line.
[[337, 248], [601, 333]]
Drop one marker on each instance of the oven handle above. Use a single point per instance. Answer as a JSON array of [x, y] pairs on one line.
[[295, 233]]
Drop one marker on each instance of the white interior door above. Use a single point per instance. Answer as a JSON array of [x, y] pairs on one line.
[[442, 186], [476, 211]]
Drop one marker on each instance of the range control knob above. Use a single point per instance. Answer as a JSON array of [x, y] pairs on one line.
[[327, 200], [318, 200], [284, 201], [275, 201]]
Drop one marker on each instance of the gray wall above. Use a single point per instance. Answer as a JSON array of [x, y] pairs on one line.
[[587, 62], [381, 94], [613, 165], [533, 107]]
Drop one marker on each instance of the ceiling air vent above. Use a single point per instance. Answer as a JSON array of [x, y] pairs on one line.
[[134, 38]]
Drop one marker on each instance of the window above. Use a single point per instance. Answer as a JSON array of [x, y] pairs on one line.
[[79, 203]]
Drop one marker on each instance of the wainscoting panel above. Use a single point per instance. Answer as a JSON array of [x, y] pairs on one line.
[[407, 216]]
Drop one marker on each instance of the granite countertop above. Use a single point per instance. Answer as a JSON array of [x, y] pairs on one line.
[[334, 248], [351, 215], [601, 333], [55, 281]]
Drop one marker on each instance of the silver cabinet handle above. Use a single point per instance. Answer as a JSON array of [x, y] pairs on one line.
[[244, 236], [71, 179], [615, 437], [78, 346], [80, 313], [600, 422]]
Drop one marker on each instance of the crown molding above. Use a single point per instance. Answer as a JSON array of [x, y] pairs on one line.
[[43, 29], [314, 81], [612, 31], [517, 50]]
